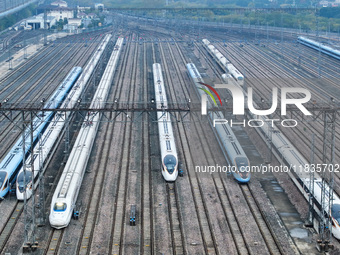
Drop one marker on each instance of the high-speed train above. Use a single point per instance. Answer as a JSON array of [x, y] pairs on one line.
[[319, 46], [225, 135], [65, 196], [12, 162], [51, 136], [224, 62], [166, 135], [292, 158]]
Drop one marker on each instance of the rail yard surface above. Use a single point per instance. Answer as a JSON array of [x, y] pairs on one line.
[[124, 204]]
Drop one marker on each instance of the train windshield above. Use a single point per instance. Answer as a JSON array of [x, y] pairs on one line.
[[59, 207], [20, 180], [170, 163], [336, 212], [242, 164], [3, 175], [240, 78]]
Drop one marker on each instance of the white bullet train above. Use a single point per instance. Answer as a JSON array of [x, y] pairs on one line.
[[296, 163], [50, 138], [10, 165], [225, 135], [166, 135], [292, 158], [298, 169], [300, 174], [224, 62], [319, 46], [65, 196]]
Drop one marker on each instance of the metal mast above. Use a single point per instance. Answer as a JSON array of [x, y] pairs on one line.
[[310, 219], [329, 117]]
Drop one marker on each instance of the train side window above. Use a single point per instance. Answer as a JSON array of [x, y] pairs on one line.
[[165, 124], [168, 146]]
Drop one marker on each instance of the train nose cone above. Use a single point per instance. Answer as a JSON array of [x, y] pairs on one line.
[[244, 175], [336, 232], [21, 194], [171, 177], [57, 221]]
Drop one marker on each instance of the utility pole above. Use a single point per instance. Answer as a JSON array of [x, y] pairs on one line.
[[45, 27], [310, 220], [41, 189], [325, 228], [25, 49], [25, 180], [319, 43], [33, 184], [10, 59]]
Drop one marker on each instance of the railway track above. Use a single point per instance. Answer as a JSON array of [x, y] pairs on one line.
[[175, 219], [147, 190], [22, 83], [54, 242], [322, 93], [267, 85], [252, 202], [28, 68], [95, 203], [7, 40], [249, 224], [244, 241], [227, 197], [85, 234], [9, 226], [272, 243], [119, 222], [15, 214], [308, 58], [318, 126], [25, 83], [147, 242], [202, 213], [162, 238], [56, 239], [91, 212], [14, 219], [238, 243], [76, 56], [297, 135]]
